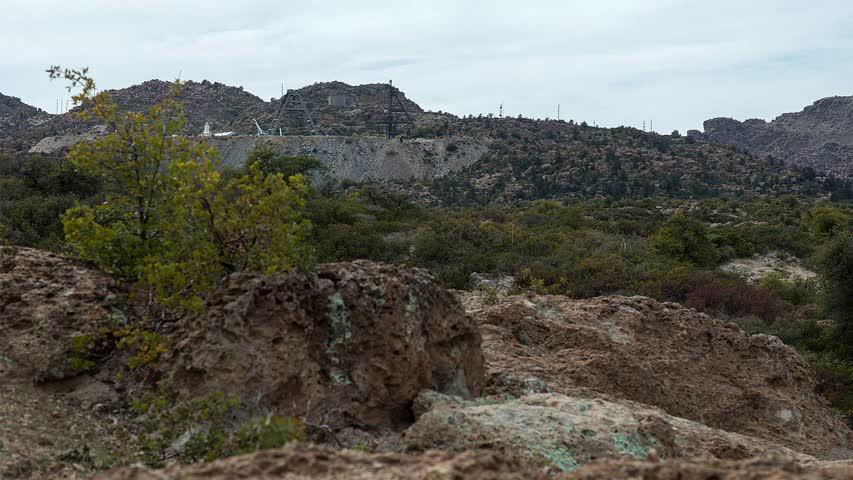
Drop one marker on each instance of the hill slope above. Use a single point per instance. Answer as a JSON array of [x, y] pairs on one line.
[[15, 116], [821, 136], [532, 159]]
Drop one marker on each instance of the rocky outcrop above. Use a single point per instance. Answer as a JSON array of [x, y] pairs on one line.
[[660, 354], [303, 463], [753, 469], [351, 344], [15, 117], [569, 431], [821, 136], [364, 116], [45, 300]]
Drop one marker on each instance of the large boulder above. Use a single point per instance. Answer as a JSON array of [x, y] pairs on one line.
[[45, 301], [661, 354], [350, 344], [568, 431]]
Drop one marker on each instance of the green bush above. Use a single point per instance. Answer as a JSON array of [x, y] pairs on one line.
[[271, 163], [205, 429], [685, 239]]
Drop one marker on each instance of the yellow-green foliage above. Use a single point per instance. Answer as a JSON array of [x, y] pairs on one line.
[[145, 347], [168, 219], [825, 221]]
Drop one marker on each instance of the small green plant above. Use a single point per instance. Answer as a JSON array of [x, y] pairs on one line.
[[269, 431], [204, 429], [489, 294]]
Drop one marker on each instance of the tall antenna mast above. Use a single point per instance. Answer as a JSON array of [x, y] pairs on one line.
[[652, 126], [501, 114], [644, 125], [558, 112]]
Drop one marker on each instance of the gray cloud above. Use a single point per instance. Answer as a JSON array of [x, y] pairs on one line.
[[616, 62]]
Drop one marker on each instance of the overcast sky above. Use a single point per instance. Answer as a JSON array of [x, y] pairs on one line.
[[615, 62]]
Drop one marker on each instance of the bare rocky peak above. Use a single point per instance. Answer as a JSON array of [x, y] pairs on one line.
[[821, 136]]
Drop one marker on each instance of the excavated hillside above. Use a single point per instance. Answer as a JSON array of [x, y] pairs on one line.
[[820, 136], [364, 159]]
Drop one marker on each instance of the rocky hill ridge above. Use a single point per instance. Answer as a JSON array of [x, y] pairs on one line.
[[820, 136]]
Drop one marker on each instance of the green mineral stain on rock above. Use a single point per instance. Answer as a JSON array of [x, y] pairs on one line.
[[561, 457], [630, 445], [338, 314], [587, 432]]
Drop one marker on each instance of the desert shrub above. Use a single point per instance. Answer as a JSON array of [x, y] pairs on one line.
[[685, 239], [271, 162], [825, 221], [798, 291], [204, 429], [712, 293]]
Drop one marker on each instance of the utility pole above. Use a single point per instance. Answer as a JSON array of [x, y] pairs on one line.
[[501, 114], [558, 112]]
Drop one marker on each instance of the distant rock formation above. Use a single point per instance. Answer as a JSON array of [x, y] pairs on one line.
[[15, 116], [821, 136]]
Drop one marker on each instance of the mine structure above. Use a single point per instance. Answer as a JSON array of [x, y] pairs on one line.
[[292, 116], [395, 106]]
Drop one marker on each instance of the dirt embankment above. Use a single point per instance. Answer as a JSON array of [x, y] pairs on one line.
[[364, 158]]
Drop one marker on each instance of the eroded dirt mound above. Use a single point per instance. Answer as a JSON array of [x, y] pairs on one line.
[[351, 344], [296, 463], [661, 354], [572, 431], [755, 469], [45, 300]]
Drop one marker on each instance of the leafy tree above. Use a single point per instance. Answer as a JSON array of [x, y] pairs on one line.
[[271, 162], [685, 239], [835, 258], [167, 219], [825, 221]]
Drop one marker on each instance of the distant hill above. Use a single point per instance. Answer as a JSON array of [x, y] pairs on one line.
[[520, 159], [821, 136], [532, 159], [16, 116]]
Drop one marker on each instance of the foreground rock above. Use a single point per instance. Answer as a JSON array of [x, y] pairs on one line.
[[755, 469], [572, 431], [660, 354], [296, 463], [45, 300], [351, 344]]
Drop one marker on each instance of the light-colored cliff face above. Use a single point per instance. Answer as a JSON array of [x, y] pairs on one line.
[[364, 158]]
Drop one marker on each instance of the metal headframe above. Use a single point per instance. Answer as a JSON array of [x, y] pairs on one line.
[[292, 105], [395, 105]]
